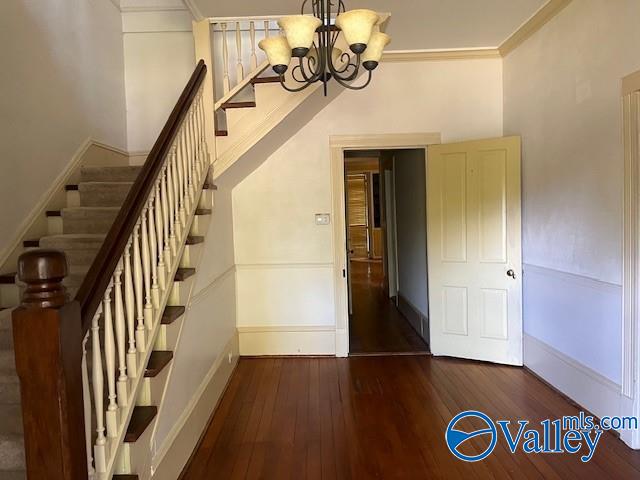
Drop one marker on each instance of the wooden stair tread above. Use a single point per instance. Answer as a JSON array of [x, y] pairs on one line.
[[127, 476], [272, 79], [171, 314], [183, 273], [140, 420], [157, 361], [228, 105], [203, 211], [222, 133], [31, 243], [71, 188], [8, 279], [53, 213], [195, 239], [209, 186]]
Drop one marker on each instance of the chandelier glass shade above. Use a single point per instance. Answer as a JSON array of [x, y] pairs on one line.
[[310, 40]]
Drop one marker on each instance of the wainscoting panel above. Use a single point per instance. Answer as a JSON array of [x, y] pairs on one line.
[[578, 316]]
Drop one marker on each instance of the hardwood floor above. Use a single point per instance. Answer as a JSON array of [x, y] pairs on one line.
[[384, 418], [376, 325]]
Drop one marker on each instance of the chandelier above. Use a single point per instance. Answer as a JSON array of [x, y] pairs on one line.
[[312, 40]]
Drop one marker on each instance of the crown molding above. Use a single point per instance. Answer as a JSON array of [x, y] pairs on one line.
[[194, 9], [435, 55], [539, 19]]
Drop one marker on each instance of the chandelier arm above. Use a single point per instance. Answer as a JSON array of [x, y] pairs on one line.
[[353, 75], [307, 78], [345, 84], [347, 61], [293, 90]]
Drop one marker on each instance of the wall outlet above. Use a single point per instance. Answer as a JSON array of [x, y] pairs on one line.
[[323, 219]]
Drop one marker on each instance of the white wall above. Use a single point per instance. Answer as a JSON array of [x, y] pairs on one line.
[[562, 94], [159, 59], [411, 227], [62, 82], [284, 260]]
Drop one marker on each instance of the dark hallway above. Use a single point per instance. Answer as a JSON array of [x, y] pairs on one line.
[[376, 325]]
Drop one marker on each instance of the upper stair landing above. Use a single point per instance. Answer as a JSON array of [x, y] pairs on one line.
[[250, 101]]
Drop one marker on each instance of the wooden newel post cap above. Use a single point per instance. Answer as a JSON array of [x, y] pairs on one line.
[[43, 271]]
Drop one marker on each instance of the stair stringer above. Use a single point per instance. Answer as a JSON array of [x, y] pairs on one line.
[[173, 341]]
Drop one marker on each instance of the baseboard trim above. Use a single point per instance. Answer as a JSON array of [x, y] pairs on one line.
[[287, 340], [579, 383], [176, 452], [415, 317]]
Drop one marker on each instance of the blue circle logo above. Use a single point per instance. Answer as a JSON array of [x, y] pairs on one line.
[[456, 438]]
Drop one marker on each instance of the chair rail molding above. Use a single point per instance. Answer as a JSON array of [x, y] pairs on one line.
[[338, 144], [631, 241]]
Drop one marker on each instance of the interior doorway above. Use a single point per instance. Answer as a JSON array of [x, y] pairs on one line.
[[385, 220]]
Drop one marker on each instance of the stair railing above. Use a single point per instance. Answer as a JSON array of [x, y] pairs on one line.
[[81, 363], [236, 53]]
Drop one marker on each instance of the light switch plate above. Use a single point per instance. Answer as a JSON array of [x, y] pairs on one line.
[[323, 219]]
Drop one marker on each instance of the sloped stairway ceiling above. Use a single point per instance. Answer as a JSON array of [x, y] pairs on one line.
[[279, 135], [427, 24]]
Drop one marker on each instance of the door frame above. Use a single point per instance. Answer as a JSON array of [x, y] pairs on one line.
[[630, 391], [338, 144]]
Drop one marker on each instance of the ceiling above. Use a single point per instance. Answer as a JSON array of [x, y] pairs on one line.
[[414, 24]]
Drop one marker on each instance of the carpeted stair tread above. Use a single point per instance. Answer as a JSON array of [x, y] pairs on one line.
[[11, 419], [110, 174], [88, 219], [103, 194], [80, 249], [11, 453]]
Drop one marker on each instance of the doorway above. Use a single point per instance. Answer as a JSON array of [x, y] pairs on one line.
[[474, 243], [385, 200]]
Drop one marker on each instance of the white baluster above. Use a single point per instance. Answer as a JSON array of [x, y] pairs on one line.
[[171, 202], [153, 252], [254, 57], [189, 157], [159, 212], [141, 336], [146, 270], [100, 453], [110, 357], [266, 29], [239, 67], [185, 180], [120, 337], [86, 397], [132, 359], [175, 173], [164, 194], [181, 180], [226, 84], [203, 122]]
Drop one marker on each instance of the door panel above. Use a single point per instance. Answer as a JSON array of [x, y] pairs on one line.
[[474, 250]]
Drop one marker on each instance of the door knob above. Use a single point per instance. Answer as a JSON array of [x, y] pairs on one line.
[[511, 273]]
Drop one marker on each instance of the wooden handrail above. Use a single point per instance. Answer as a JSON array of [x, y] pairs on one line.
[[91, 292]]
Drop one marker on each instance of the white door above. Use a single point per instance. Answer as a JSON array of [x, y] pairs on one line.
[[474, 250]]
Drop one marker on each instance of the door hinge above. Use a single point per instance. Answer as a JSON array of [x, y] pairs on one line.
[[344, 273]]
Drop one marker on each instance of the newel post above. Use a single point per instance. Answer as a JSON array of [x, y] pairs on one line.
[[47, 332]]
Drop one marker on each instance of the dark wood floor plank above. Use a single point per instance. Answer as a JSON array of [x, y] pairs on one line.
[[377, 326], [383, 418]]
